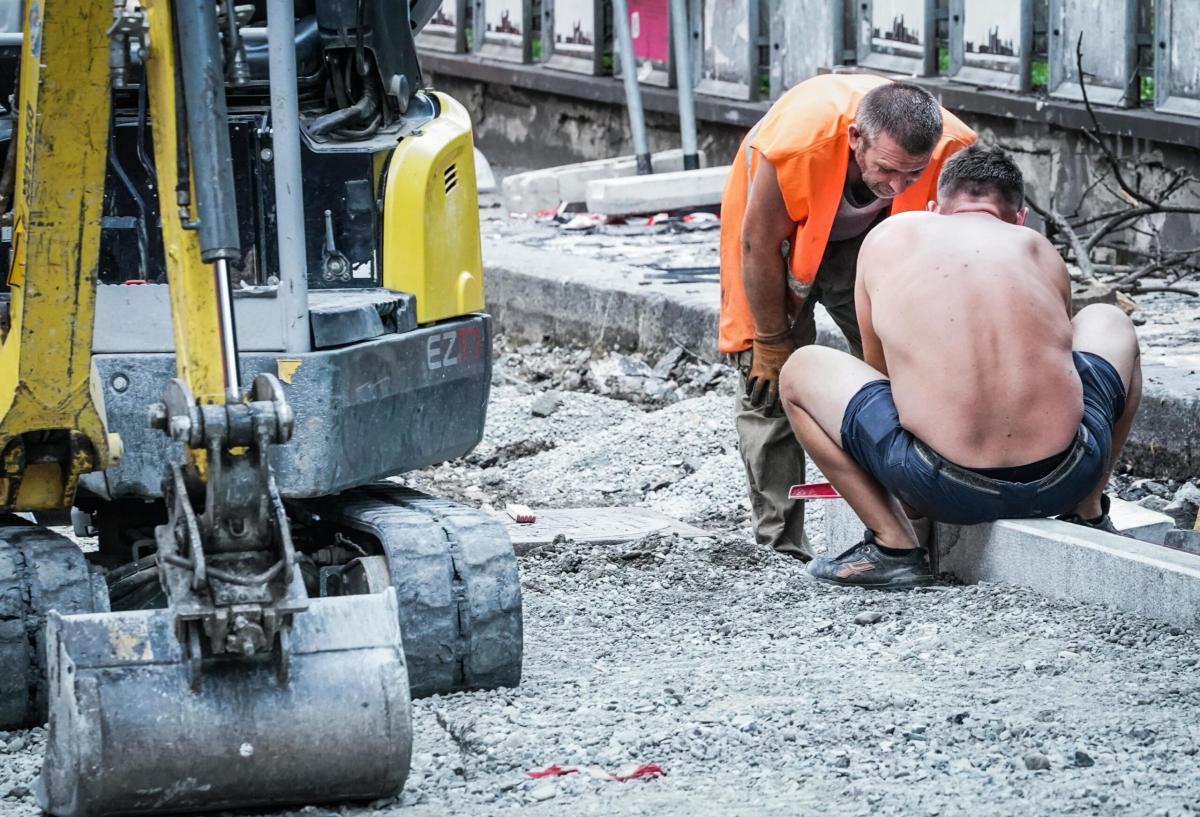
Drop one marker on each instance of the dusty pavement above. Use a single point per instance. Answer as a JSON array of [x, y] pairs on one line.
[[756, 690]]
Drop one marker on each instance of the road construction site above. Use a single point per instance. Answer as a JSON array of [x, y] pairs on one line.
[[752, 688]]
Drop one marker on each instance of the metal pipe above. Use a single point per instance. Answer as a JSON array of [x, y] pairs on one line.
[[683, 81], [289, 199], [229, 355], [208, 129], [633, 90]]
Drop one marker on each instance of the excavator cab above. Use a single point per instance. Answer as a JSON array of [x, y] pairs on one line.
[[246, 293]]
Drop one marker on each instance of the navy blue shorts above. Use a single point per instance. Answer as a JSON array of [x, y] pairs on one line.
[[935, 487]]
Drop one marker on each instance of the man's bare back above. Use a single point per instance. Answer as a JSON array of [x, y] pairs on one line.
[[973, 316]]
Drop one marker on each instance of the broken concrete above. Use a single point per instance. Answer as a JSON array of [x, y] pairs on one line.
[[658, 193], [545, 189], [1062, 561]]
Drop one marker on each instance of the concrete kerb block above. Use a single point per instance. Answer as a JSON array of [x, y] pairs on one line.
[[657, 193], [545, 189], [1060, 560]]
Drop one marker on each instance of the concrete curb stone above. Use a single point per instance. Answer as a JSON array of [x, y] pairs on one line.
[[1063, 561]]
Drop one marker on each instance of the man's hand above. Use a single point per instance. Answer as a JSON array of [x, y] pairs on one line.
[[762, 384]]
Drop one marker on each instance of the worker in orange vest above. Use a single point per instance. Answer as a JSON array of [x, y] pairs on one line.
[[830, 159]]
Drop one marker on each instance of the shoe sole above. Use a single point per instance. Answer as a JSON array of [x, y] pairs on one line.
[[896, 584]]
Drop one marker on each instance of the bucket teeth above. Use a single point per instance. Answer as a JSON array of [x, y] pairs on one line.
[[129, 734]]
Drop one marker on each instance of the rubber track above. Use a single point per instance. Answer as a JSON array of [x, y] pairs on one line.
[[456, 579], [39, 571]]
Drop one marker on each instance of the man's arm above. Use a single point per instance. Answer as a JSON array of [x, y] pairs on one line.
[[765, 226], [871, 344]]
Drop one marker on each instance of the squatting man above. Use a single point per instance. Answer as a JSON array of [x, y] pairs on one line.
[[831, 158], [979, 396]]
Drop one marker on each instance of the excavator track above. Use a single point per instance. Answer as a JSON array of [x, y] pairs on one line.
[[40, 571], [456, 581]]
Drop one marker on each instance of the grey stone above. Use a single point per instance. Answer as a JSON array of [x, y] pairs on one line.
[[1154, 502], [667, 363], [1083, 759], [1086, 295], [1036, 762], [545, 405], [1151, 486], [868, 617], [1185, 540], [1184, 505], [545, 790]]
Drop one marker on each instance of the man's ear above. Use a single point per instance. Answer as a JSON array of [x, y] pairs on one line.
[[1022, 214], [855, 136], [932, 207]]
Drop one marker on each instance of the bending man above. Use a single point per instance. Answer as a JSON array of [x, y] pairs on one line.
[[832, 157], [980, 397]]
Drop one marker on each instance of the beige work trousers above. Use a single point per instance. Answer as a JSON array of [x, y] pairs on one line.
[[773, 458]]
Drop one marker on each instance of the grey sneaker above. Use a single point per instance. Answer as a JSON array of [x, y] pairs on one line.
[[865, 565]]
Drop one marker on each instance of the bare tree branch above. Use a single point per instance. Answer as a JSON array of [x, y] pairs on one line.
[[1082, 259]]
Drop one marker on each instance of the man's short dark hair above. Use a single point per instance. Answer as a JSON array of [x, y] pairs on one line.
[[979, 172], [907, 113]]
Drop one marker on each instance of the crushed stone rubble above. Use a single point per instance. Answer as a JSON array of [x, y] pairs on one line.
[[756, 690]]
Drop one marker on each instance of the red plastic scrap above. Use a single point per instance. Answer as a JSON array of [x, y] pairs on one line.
[[646, 770], [813, 490]]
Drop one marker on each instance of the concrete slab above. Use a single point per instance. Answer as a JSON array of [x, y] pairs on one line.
[[658, 193], [594, 526], [546, 188], [1062, 561], [1140, 523]]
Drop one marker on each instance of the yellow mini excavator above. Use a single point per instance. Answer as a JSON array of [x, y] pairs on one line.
[[244, 289]]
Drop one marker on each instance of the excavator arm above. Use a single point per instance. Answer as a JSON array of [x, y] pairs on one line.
[[52, 429]]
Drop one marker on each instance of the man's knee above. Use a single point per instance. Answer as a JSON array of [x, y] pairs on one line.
[[799, 372], [1105, 320]]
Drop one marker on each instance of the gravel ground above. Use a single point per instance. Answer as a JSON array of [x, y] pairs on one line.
[[755, 689]]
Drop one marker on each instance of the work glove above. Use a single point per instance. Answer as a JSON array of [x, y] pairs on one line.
[[762, 383]]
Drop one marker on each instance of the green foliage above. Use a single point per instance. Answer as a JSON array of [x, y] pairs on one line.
[[1147, 89], [943, 60], [537, 48], [1041, 75]]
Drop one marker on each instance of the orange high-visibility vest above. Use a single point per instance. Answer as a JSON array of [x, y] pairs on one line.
[[804, 136]]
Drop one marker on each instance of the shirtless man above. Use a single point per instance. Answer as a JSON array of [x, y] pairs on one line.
[[980, 398]]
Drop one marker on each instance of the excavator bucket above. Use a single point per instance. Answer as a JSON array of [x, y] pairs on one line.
[[137, 727]]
